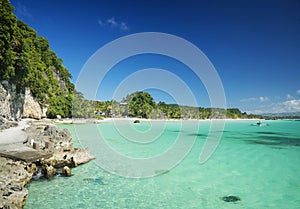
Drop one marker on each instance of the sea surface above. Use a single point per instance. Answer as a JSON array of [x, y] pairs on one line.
[[260, 165]]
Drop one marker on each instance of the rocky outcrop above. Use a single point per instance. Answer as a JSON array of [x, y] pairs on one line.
[[64, 157], [31, 107], [16, 105], [14, 175], [60, 139], [67, 171]]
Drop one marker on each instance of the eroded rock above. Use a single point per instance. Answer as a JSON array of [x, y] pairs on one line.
[[49, 171], [31, 107], [14, 177], [67, 171], [59, 139], [16, 174]]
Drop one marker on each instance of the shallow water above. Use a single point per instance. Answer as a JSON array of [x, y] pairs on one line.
[[260, 165]]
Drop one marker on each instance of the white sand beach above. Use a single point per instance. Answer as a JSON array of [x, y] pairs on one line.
[[14, 134]]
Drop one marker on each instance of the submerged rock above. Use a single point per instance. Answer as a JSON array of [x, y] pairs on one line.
[[231, 198], [94, 180]]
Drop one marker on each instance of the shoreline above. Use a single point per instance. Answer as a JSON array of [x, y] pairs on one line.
[[85, 121]]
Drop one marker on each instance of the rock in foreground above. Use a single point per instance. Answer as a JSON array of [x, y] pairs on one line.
[[14, 175]]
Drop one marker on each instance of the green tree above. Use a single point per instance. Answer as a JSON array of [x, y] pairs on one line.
[[8, 42], [141, 105]]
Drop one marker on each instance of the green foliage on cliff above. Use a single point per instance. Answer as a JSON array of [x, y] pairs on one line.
[[26, 60]]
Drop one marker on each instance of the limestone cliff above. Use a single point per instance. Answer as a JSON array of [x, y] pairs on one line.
[[31, 107], [14, 106], [11, 102]]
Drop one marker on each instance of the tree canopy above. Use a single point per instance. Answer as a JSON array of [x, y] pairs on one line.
[[141, 105]]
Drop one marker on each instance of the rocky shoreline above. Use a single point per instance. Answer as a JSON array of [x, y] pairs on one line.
[[62, 156]]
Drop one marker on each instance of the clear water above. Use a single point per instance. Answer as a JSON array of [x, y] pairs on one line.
[[260, 165]]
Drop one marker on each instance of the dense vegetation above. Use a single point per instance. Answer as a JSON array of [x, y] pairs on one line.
[[26, 60], [141, 104]]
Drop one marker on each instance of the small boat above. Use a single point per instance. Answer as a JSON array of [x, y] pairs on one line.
[[259, 123]]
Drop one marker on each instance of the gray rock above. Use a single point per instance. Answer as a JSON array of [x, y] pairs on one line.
[[6, 193], [11, 102], [16, 188], [13, 179], [51, 130]]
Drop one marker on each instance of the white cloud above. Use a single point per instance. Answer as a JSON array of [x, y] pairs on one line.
[[280, 107], [123, 26], [263, 99], [256, 112], [288, 96], [298, 92], [113, 23], [22, 11], [102, 24], [248, 99], [291, 105], [252, 99]]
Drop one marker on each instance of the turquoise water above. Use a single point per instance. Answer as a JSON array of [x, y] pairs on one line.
[[260, 165]]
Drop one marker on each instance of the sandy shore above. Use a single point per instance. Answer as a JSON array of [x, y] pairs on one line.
[[15, 134], [82, 120]]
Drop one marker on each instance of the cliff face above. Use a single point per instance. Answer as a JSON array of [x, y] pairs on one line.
[[14, 106], [11, 103], [31, 107]]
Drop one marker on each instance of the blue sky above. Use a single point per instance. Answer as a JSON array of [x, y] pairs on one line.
[[253, 45]]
